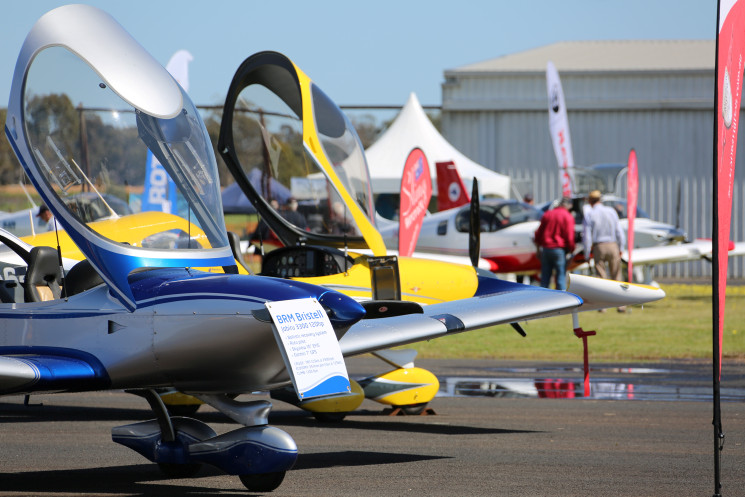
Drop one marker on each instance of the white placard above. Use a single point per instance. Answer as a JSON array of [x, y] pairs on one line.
[[309, 347]]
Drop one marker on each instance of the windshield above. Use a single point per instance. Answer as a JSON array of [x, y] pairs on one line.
[[496, 216], [91, 148], [268, 137], [343, 148]]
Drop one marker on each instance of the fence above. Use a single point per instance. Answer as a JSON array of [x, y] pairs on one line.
[[659, 197]]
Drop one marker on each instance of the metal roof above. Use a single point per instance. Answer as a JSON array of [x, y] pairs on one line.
[[603, 56]]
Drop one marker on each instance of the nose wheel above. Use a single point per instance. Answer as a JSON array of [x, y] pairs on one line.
[[263, 483], [258, 454]]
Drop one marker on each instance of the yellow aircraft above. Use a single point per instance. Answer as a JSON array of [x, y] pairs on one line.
[[298, 159]]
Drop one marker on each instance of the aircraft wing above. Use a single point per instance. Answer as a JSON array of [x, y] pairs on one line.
[[49, 372], [682, 252], [508, 303]]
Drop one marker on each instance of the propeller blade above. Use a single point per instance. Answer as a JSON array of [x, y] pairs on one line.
[[677, 208], [474, 229]]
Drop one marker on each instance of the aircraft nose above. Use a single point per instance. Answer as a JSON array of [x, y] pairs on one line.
[[344, 311]]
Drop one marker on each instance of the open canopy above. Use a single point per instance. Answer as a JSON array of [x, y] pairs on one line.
[[77, 56]]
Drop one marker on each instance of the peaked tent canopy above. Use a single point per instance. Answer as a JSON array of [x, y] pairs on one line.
[[412, 128]]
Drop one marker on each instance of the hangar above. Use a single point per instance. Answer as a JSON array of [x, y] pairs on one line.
[[655, 96]]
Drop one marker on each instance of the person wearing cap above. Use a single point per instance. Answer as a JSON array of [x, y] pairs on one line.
[[291, 214], [555, 239], [528, 198], [46, 216], [603, 238]]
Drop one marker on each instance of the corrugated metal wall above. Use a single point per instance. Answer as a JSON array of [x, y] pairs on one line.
[[667, 119]]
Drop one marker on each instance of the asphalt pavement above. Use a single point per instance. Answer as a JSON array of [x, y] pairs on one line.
[[60, 445]]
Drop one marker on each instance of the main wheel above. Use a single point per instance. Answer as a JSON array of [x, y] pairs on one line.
[[172, 470], [185, 410], [414, 409], [329, 417], [265, 482]]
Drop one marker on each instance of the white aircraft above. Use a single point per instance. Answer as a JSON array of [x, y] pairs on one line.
[[507, 230], [151, 319], [25, 221]]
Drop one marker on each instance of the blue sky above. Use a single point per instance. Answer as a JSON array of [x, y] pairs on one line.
[[365, 53]]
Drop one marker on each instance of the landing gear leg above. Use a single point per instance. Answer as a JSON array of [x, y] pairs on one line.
[[258, 453]]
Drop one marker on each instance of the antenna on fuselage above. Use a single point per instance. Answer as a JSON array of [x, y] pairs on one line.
[[59, 260]]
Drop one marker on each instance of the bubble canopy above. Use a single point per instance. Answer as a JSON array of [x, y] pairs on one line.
[[81, 119], [284, 139]]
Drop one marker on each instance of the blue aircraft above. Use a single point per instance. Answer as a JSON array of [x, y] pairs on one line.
[[173, 312]]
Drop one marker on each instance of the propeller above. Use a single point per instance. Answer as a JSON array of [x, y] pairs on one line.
[[677, 208], [474, 229]]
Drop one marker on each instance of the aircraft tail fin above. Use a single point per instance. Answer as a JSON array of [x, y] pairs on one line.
[[451, 192]]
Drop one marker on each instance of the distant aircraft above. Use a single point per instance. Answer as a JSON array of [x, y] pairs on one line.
[[508, 226], [156, 320], [24, 221], [655, 242]]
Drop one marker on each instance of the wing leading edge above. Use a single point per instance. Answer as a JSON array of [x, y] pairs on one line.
[[513, 302], [503, 303]]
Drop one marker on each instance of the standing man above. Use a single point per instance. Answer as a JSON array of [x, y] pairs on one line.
[[555, 238], [603, 238], [47, 219]]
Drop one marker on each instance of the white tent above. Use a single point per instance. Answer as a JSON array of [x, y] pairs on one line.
[[412, 128]]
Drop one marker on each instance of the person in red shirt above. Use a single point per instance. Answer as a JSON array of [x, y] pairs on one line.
[[555, 239]]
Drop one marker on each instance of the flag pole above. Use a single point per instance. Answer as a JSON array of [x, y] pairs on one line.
[[716, 367]]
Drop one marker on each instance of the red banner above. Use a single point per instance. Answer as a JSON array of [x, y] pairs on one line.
[[730, 43], [416, 191], [632, 194]]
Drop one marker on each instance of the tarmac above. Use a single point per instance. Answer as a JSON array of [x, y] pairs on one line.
[[474, 445]]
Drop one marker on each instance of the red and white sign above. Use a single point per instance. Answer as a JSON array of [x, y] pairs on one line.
[[559, 128], [416, 191], [730, 43]]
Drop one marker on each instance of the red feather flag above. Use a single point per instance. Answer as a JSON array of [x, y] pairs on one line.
[[632, 194]]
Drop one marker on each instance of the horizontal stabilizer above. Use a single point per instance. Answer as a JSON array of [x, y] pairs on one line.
[[503, 303], [682, 252]]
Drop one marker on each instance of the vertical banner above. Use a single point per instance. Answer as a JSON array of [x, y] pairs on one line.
[[159, 193], [727, 93], [730, 42], [558, 125], [632, 194], [416, 191]]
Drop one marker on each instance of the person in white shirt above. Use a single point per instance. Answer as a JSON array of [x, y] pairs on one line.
[[603, 237]]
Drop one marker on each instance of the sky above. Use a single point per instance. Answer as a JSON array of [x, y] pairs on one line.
[[365, 53]]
